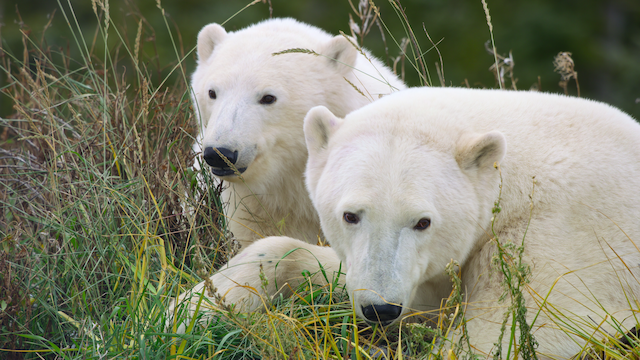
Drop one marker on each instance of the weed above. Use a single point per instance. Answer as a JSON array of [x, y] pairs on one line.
[[564, 66], [508, 261]]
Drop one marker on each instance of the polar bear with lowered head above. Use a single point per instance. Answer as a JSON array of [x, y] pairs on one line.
[[252, 102], [408, 183]]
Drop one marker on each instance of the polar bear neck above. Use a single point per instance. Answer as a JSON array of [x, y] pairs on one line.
[[279, 207]]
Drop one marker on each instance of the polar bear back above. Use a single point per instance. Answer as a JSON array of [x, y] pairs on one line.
[[578, 149]]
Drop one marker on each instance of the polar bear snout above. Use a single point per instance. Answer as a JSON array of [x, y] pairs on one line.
[[221, 160], [383, 314]]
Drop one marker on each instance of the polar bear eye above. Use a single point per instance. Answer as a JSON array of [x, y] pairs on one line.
[[212, 94], [268, 100], [422, 224], [351, 218]]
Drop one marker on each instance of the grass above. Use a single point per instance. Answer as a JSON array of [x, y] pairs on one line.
[[94, 242], [93, 167], [508, 261]]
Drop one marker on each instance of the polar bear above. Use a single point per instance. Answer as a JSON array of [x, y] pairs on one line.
[[408, 183], [252, 102]]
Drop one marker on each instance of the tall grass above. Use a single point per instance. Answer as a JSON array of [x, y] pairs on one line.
[[94, 168], [95, 176]]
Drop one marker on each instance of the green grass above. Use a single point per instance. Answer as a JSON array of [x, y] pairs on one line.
[[94, 242]]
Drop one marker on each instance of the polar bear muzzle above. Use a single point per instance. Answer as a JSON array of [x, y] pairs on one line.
[[383, 314], [222, 161]]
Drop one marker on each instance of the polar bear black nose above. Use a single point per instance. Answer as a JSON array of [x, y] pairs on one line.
[[213, 158], [383, 314]]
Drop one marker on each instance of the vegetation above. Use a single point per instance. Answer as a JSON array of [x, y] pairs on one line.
[[102, 221], [603, 36]]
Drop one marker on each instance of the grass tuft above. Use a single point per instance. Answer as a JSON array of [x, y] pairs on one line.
[[564, 66]]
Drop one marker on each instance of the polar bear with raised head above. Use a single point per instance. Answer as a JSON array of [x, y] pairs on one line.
[[408, 183], [252, 102]]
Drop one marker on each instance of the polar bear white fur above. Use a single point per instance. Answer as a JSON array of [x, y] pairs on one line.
[[408, 183], [252, 103], [268, 267]]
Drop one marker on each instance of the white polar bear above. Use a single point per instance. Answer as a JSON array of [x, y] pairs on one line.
[[252, 104], [406, 184]]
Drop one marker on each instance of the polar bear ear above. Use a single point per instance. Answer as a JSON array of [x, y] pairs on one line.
[[480, 151], [210, 36], [319, 125], [342, 52]]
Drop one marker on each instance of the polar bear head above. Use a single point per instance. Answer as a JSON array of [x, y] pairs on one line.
[[400, 190], [251, 102]]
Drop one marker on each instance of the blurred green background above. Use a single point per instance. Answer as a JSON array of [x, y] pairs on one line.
[[603, 36]]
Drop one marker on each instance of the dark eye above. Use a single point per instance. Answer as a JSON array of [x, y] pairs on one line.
[[422, 224], [212, 94], [351, 218], [268, 100]]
